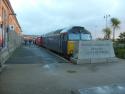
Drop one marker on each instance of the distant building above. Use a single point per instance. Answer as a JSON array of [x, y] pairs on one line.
[[30, 37]]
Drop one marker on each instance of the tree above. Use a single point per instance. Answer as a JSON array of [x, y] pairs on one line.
[[115, 24], [107, 33], [121, 38]]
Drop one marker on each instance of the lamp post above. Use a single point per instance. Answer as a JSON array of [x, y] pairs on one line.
[[13, 14], [106, 18]]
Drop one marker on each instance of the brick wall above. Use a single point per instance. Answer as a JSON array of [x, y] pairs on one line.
[[10, 38]]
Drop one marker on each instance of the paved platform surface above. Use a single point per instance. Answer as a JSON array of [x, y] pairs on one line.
[[33, 70]]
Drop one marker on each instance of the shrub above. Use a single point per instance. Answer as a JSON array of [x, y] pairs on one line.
[[120, 52]]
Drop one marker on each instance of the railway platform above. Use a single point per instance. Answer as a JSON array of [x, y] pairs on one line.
[[35, 70]]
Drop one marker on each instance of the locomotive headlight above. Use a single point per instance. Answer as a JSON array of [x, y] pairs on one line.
[[71, 52]]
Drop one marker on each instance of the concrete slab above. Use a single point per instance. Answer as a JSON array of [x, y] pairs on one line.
[[110, 89], [51, 77], [100, 51]]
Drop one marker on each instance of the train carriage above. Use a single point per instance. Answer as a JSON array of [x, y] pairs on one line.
[[39, 41]]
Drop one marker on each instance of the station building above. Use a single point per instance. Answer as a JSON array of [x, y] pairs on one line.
[[10, 31]]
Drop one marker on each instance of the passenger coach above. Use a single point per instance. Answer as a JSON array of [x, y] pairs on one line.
[[62, 41], [39, 41]]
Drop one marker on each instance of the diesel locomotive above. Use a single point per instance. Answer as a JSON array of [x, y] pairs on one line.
[[62, 40]]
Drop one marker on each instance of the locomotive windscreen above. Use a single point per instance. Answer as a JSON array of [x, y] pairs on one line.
[[79, 33], [74, 36], [86, 37]]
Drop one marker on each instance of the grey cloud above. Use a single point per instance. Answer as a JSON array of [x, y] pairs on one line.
[[44, 18]]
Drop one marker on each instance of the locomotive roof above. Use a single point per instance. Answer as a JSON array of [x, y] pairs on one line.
[[69, 30], [75, 28]]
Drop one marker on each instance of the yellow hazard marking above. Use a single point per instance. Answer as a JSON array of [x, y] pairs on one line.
[[70, 48]]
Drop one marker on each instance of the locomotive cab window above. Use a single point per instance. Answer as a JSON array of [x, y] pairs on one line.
[[85, 37], [74, 36]]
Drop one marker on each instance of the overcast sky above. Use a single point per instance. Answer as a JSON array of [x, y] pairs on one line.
[[41, 16]]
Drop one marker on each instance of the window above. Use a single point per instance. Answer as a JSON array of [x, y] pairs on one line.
[[85, 37], [74, 36]]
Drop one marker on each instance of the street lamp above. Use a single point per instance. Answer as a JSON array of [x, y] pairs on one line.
[[12, 14], [106, 18]]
